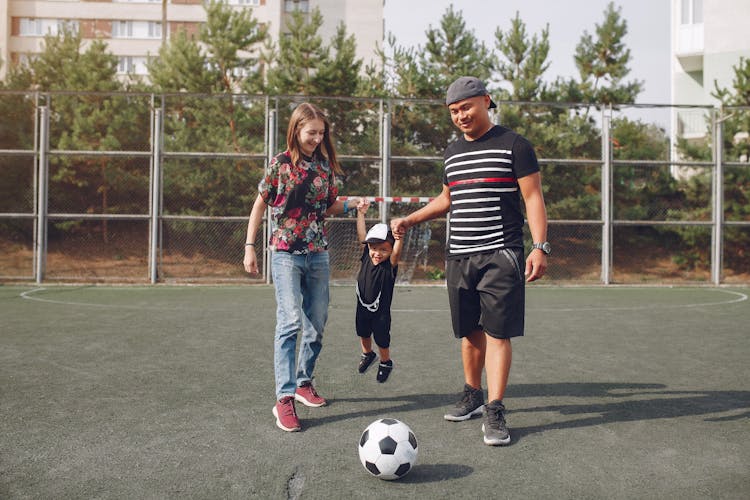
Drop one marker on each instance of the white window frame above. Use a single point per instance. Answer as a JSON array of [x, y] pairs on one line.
[[139, 30], [40, 26], [297, 5]]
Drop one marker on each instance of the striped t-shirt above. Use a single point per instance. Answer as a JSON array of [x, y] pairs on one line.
[[482, 176]]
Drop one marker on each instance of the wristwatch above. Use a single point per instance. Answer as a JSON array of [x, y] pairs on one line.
[[544, 247]]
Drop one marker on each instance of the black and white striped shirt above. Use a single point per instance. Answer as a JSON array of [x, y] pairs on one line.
[[482, 176]]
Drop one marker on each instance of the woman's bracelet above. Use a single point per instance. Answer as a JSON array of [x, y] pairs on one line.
[[249, 244], [346, 206]]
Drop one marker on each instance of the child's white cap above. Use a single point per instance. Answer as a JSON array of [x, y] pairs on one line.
[[379, 233]]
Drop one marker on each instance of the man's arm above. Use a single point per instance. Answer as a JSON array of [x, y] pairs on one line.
[[536, 214], [434, 209]]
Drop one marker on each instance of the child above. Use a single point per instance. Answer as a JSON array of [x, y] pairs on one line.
[[375, 281]]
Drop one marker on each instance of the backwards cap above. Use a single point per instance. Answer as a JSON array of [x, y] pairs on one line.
[[465, 87], [379, 233]]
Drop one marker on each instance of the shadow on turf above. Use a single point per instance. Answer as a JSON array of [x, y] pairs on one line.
[[433, 473], [614, 402], [637, 402]]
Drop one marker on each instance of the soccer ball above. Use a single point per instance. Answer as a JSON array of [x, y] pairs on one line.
[[388, 449]]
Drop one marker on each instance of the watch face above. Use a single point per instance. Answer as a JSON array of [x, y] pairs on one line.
[[546, 248]]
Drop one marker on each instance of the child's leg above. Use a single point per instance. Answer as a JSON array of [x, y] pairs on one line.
[[385, 353], [366, 343]]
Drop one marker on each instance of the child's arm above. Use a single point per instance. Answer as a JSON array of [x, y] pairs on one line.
[[362, 207], [396, 254]]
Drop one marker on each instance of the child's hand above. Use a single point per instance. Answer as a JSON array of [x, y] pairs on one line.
[[363, 205]]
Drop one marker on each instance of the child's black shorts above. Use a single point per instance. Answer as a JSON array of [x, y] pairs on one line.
[[377, 324], [486, 291]]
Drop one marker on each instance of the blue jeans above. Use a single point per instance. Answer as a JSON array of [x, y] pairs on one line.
[[301, 283]]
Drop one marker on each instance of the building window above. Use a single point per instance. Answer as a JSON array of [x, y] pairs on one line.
[[251, 3], [41, 27], [131, 65], [136, 29], [300, 5]]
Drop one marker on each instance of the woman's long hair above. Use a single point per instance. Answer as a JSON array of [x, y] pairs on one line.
[[302, 114]]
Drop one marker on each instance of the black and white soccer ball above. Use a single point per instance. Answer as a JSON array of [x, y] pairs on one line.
[[388, 449]]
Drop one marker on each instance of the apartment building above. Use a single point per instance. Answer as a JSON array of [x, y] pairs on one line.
[[133, 28], [708, 39]]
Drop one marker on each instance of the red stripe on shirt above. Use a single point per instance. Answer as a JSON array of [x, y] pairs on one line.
[[482, 179]]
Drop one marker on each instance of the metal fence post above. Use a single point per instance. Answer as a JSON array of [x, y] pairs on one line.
[[717, 232], [385, 172], [271, 148], [606, 190], [42, 194], [155, 194]]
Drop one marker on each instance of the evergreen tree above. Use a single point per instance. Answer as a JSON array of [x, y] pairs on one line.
[[525, 61], [341, 76], [231, 37], [181, 67], [295, 66], [452, 51], [602, 62], [736, 132], [97, 120]]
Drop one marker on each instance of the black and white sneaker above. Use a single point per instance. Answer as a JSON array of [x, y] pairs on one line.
[[384, 369], [365, 360], [494, 428], [470, 405]]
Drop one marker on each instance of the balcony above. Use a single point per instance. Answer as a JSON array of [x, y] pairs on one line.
[[690, 46]]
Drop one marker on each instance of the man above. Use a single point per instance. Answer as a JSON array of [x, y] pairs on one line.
[[485, 169]]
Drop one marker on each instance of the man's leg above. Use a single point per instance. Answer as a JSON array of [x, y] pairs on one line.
[[497, 363], [499, 354], [473, 348]]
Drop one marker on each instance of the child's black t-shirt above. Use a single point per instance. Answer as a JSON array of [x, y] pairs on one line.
[[375, 283]]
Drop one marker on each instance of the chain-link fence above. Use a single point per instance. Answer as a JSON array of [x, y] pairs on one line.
[[157, 188]]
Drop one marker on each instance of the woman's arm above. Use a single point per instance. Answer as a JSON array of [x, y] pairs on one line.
[[256, 217]]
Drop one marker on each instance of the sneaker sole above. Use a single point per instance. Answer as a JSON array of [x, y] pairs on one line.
[[460, 418], [496, 442], [280, 426], [305, 402]]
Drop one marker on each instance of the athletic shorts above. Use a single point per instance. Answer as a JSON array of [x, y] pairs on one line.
[[486, 292], [376, 324]]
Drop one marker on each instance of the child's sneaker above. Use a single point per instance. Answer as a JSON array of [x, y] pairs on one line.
[[384, 369], [307, 395], [286, 415], [365, 360]]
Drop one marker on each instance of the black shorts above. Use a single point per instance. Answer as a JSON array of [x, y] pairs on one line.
[[486, 292], [376, 324]]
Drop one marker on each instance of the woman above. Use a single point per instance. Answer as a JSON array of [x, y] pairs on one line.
[[301, 189]]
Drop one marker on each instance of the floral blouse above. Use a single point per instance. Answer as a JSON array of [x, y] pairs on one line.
[[299, 196]]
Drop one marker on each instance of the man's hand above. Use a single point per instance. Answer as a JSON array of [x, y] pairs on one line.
[[399, 227], [536, 265]]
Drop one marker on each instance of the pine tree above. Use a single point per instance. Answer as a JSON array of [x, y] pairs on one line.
[[525, 61], [295, 65], [602, 62], [231, 37], [451, 51], [181, 67]]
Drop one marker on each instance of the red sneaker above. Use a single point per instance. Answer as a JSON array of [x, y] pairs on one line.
[[306, 395], [286, 415]]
